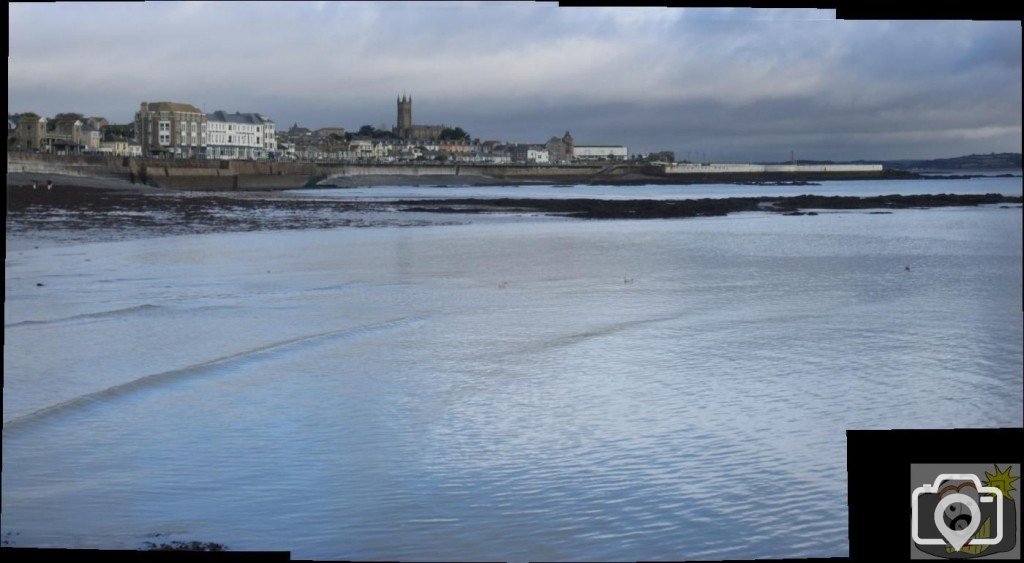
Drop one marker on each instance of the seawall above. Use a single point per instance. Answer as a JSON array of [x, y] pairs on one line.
[[250, 175], [173, 174]]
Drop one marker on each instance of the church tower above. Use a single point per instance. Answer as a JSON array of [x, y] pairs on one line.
[[404, 115]]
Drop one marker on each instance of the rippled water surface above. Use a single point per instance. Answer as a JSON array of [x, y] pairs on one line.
[[553, 389]]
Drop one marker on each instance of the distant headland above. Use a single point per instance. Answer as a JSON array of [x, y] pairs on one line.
[[972, 162]]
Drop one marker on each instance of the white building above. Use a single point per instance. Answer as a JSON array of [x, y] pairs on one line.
[[496, 159], [596, 152], [537, 156], [120, 148], [239, 135], [361, 148], [287, 150]]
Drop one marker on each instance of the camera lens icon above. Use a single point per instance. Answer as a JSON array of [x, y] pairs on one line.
[[957, 517], [957, 514]]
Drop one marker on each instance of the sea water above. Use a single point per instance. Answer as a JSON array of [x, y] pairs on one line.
[[538, 389]]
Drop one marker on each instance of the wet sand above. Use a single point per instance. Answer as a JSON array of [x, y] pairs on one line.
[[76, 211], [26, 179]]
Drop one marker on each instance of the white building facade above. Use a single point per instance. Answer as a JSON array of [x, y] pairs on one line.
[[599, 152], [537, 156], [239, 136], [120, 148]]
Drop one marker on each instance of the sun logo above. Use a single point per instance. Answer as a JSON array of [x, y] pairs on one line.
[[1002, 479]]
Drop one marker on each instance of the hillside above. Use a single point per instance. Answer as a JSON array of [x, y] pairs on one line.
[[991, 161]]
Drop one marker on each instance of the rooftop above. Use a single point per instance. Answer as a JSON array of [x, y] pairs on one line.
[[247, 118], [173, 106]]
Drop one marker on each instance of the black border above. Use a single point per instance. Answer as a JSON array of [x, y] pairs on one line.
[[878, 475]]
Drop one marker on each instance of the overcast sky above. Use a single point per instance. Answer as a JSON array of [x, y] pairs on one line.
[[725, 85]]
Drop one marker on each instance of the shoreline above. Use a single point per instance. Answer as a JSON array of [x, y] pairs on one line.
[[474, 180], [232, 176]]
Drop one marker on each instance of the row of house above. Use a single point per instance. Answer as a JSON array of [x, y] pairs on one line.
[[181, 130], [564, 150], [300, 143], [410, 141], [67, 133], [162, 129]]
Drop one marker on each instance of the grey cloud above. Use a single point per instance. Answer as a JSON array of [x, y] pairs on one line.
[[744, 83]]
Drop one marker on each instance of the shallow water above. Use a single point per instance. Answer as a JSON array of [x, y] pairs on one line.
[[538, 389]]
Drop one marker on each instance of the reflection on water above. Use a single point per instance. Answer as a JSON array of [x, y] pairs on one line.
[[537, 390]]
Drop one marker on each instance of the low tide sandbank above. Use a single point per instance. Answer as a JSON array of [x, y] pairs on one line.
[[661, 209], [116, 209]]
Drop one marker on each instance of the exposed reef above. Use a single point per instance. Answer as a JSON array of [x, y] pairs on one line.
[[662, 209]]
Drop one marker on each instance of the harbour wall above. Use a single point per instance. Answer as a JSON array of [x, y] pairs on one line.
[[181, 174], [254, 175], [491, 170]]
